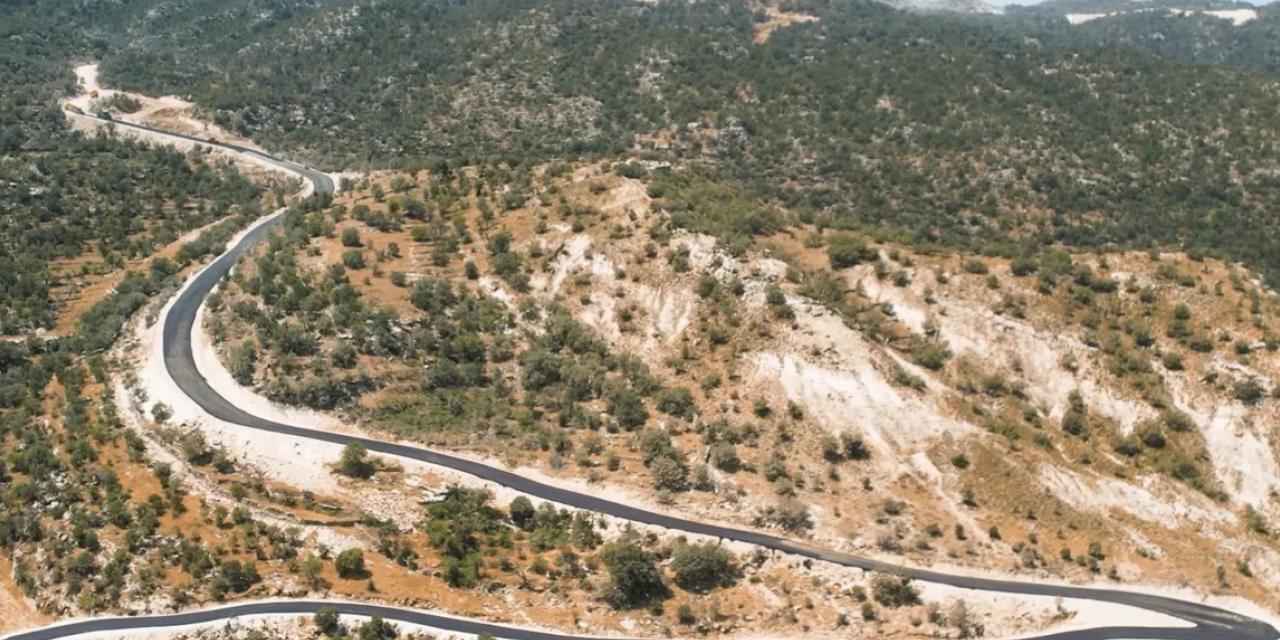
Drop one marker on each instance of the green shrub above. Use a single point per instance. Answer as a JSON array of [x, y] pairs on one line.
[[634, 578], [831, 450], [930, 354], [669, 474], [725, 457], [1153, 439], [344, 356], [846, 250], [353, 259], [1256, 522], [894, 592], [684, 614], [376, 629], [1128, 447], [355, 462], [904, 378], [702, 567], [677, 401], [790, 514], [854, 446], [522, 512], [1248, 391], [775, 296], [327, 621], [975, 266], [1177, 421], [350, 564], [627, 408], [1023, 266], [1200, 344]]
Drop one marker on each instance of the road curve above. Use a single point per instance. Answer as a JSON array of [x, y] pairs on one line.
[[1210, 623], [284, 608]]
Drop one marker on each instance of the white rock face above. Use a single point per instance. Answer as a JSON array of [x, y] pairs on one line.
[[942, 6], [1236, 16]]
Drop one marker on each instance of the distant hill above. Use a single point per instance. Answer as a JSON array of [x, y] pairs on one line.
[[1064, 7], [982, 132], [1216, 33]]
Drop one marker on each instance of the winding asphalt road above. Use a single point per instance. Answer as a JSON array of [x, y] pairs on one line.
[[1208, 623]]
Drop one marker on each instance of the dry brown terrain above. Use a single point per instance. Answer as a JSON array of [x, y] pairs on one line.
[[776, 18], [973, 468]]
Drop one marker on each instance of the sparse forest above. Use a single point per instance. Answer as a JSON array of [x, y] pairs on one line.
[[984, 165], [970, 133], [71, 205], [78, 530]]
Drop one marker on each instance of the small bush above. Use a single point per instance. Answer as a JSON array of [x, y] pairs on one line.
[[327, 621], [1153, 439], [161, 412], [725, 457], [669, 474], [975, 266], [1248, 391], [894, 592], [702, 567], [353, 259], [350, 564], [855, 448], [522, 512], [1177, 421], [677, 401], [845, 251], [904, 378], [355, 462], [634, 578], [790, 514], [684, 614], [930, 354]]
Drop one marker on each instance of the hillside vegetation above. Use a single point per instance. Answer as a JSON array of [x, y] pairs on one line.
[[1175, 31], [968, 133], [984, 292], [89, 520], [586, 329], [72, 206]]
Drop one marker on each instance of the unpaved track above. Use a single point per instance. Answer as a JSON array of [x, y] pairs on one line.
[[1211, 623]]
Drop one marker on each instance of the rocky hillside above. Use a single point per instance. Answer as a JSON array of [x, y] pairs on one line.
[[984, 292], [1098, 417]]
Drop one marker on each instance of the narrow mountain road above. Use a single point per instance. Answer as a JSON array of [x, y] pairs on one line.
[[1210, 623]]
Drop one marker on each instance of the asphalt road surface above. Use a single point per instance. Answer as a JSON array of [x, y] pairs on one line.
[[1210, 623]]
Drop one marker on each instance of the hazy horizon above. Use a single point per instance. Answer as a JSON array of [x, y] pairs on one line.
[[1027, 3]]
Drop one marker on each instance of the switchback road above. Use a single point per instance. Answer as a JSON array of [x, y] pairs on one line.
[[1210, 623]]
